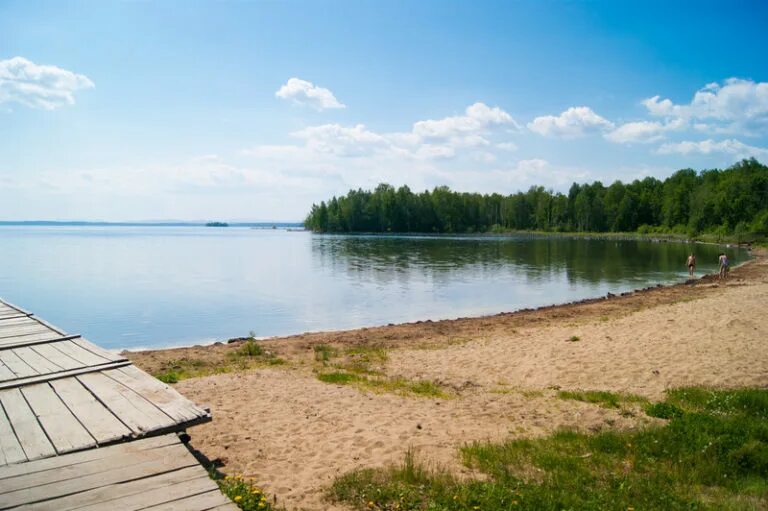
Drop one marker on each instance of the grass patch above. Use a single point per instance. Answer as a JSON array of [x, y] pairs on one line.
[[248, 355], [325, 352], [574, 338], [244, 493], [401, 386], [601, 397], [711, 455]]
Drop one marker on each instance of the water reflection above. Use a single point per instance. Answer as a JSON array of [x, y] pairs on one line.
[[159, 286], [381, 259]]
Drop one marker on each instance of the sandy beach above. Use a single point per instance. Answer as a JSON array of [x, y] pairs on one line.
[[500, 376]]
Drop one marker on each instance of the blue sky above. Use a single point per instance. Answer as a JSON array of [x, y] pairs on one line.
[[255, 110]]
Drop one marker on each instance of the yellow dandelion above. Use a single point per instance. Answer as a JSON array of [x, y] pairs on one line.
[[261, 504], [238, 498], [370, 503]]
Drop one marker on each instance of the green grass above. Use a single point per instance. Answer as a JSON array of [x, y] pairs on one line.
[[243, 492], [248, 355], [601, 397], [324, 352], [711, 455], [401, 386], [574, 338]]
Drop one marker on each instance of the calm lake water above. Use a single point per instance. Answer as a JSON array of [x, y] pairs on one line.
[[130, 287]]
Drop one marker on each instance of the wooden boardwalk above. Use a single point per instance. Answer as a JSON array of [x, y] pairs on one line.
[[63, 399], [156, 473]]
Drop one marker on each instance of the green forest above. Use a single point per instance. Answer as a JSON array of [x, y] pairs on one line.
[[726, 202]]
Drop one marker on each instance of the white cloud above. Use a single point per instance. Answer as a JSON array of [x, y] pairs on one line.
[[737, 105], [465, 130], [575, 122], [306, 93], [730, 146], [39, 86], [431, 139], [643, 132], [343, 141]]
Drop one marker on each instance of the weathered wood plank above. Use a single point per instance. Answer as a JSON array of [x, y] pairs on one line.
[[163, 396], [39, 378], [12, 315], [99, 421], [33, 339], [200, 502], [98, 350], [16, 307], [19, 321], [10, 448], [19, 367], [130, 407], [48, 478], [63, 429], [28, 430], [5, 372], [40, 363], [80, 354], [76, 492], [75, 458], [135, 496], [56, 356], [19, 330]]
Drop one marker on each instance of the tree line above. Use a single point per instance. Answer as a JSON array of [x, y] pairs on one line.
[[730, 201]]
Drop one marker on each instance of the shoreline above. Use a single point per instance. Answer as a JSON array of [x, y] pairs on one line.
[[308, 408], [754, 254]]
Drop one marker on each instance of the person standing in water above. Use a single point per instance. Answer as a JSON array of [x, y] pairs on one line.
[[691, 263], [723, 259]]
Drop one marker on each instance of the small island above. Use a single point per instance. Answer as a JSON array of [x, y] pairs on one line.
[[217, 224]]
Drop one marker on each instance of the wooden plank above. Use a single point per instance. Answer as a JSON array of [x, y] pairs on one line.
[[40, 363], [77, 492], [28, 431], [84, 456], [10, 448], [55, 355], [19, 367], [100, 422], [16, 307], [163, 396], [136, 497], [131, 408], [80, 354], [49, 326], [46, 478], [39, 378], [200, 502], [63, 429], [5, 372], [33, 339], [98, 350], [19, 330], [12, 315], [20, 321]]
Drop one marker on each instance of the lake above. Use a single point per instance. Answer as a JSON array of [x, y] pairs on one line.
[[133, 286]]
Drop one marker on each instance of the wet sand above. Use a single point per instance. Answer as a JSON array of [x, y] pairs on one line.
[[294, 433]]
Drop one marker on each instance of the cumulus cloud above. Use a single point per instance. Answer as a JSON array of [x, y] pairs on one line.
[[429, 139], [343, 141], [575, 122], [476, 119], [306, 93], [709, 146], [39, 86], [643, 132], [737, 105]]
